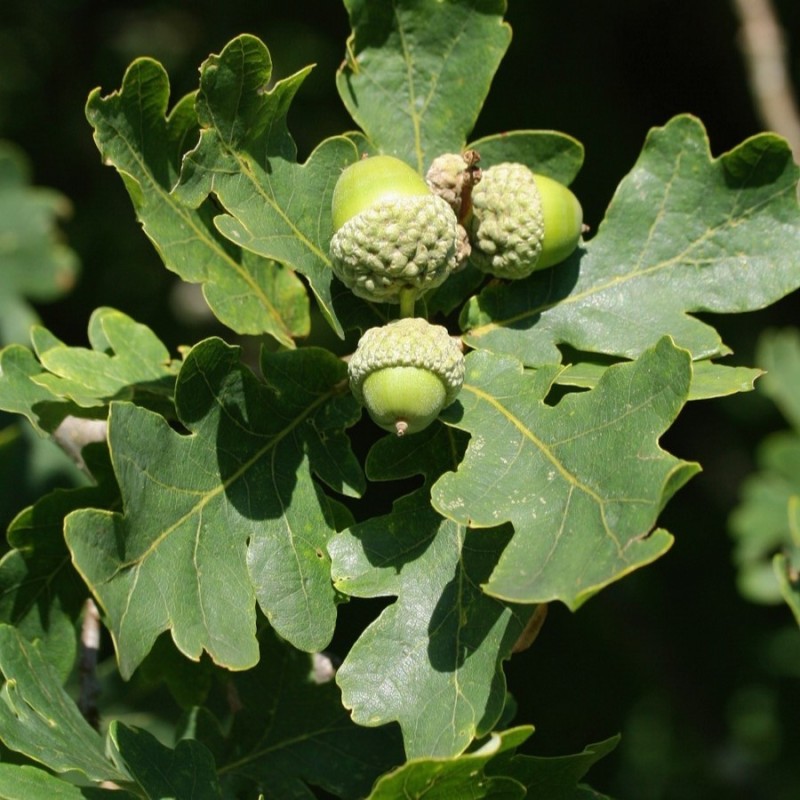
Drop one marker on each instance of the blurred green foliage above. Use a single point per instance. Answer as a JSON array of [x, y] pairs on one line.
[[702, 684]]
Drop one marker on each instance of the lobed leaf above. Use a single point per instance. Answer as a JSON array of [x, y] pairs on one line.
[[227, 515], [246, 158], [186, 772], [582, 482], [291, 731], [432, 660], [135, 134], [34, 263], [460, 777], [765, 525], [684, 233], [418, 71], [31, 783], [39, 719], [127, 361], [40, 592], [779, 354], [761, 524], [709, 379], [20, 394]]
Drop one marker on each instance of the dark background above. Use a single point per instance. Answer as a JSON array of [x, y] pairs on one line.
[[703, 686]]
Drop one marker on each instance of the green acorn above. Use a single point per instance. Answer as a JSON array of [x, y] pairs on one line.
[[393, 238], [405, 373], [522, 222]]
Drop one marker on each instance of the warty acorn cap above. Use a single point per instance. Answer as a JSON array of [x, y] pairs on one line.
[[409, 342], [507, 224], [402, 243]]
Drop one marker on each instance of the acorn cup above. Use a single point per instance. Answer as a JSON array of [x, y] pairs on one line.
[[393, 238], [405, 373], [521, 222]]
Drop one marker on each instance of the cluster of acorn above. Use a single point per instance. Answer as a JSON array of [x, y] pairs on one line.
[[398, 235]]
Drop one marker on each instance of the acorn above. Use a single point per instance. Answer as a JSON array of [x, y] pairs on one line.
[[405, 373], [522, 222], [393, 238]]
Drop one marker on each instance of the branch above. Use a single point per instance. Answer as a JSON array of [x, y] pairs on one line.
[[764, 48]]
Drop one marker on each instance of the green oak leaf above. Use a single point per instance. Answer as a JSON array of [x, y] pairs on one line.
[[555, 777], [184, 773], [40, 592], [765, 525], [544, 152], [582, 482], [684, 233], [779, 354], [226, 515], [761, 524], [432, 660], [39, 719], [247, 159], [418, 71], [31, 783], [463, 777], [709, 379], [21, 394], [127, 362], [248, 293], [291, 731], [35, 264]]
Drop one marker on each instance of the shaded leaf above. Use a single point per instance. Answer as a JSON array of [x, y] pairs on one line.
[[291, 731], [134, 133], [227, 515], [544, 152], [185, 773], [761, 525], [765, 525], [246, 157], [417, 73], [432, 660], [709, 379], [39, 719], [684, 233], [582, 482], [779, 354], [35, 264], [31, 783], [556, 778], [460, 778], [40, 592]]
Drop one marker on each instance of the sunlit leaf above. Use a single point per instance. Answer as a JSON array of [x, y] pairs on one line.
[[247, 159], [684, 233], [582, 482], [413, 79], [135, 134], [432, 660], [226, 515]]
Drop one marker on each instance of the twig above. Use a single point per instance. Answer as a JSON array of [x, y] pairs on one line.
[[87, 665], [763, 45]]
